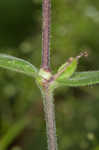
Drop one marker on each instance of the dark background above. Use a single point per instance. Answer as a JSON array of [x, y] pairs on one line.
[[75, 28]]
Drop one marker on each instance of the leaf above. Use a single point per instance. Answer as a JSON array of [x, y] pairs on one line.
[[67, 69], [14, 131], [17, 64], [80, 79]]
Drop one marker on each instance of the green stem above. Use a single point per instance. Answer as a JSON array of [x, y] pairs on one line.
[[50, 118]]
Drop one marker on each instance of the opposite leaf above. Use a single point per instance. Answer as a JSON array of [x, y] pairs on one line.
[[17, 64], [80, 79]]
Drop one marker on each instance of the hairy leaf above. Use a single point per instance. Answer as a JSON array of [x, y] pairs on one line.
[[17, 64], [80, 79]]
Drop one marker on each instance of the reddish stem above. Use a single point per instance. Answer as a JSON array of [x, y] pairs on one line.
[[46, 35]]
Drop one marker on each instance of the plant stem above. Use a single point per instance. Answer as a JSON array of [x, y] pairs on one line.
[[46, 35], [50, 119], [46, 92]]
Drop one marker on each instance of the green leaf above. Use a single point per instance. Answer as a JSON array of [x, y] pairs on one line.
[[14, 131], [80, 79], [17, 64], [67, 69]]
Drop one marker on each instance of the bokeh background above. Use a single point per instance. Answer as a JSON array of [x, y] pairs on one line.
[[75, 28]]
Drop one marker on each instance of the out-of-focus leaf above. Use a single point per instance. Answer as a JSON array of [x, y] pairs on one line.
[[16, 148], [81, 79], [17, 64], [96, 148], [13, 132]]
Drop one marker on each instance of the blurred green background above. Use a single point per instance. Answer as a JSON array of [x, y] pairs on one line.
[[75, 28]]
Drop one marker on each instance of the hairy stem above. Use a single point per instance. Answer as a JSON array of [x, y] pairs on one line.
[[46, 35], [50, 119], [46, 92]]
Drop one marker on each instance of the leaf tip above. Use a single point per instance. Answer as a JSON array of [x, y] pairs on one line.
[[85, 54]]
